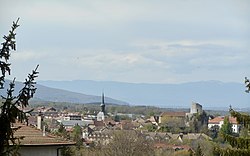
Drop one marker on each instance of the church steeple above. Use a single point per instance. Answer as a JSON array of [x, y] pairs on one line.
[[101, 115], [103, 104]]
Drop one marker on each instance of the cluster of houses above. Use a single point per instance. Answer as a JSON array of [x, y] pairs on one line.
[[99, 128]]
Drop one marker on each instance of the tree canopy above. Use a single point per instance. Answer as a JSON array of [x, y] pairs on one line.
[[240, 145], [226, 128], [12, 106]]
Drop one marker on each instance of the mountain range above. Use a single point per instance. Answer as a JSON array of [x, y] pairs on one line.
[[211, 94], [44, 93]]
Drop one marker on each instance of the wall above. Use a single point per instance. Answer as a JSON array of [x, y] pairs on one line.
[[38, 151]]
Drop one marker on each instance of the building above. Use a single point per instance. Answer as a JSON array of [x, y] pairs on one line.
[[36, 142], [71, 120], [48, 112], [180, 137], [101, 114], [196, 108], [172, 115], [219, 121], [72, 117]]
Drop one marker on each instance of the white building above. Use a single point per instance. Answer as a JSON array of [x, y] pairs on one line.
[[101, 114], [219, 121], [72, 117]]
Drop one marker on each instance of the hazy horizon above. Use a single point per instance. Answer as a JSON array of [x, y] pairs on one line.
[[207, 93], [218, 81]]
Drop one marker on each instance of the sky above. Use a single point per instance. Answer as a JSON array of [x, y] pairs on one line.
[[138, 41]]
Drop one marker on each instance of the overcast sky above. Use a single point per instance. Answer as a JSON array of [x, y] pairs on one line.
[[131, 40]]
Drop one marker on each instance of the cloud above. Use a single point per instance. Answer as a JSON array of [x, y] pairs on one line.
[[155, 61], [112, 61], [94, 13], [187, 56], [143, 41], [25, 56]]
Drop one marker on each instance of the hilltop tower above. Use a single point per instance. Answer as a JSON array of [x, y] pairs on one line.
[[196, 108]]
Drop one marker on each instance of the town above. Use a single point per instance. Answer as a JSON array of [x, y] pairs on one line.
[[124, 78], [90, 132]]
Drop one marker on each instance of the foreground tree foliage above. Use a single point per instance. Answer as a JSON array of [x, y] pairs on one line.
[[77, 135], [130, 143], [240, 145], [122, 143], [62, 131], [11, 107], [198, 151]]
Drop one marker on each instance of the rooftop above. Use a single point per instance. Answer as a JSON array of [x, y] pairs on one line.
[[174, 114], [218, 119], [34, 137]]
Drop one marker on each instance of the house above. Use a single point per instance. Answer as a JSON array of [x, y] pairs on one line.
[[48, 112], [127, 125], [158, 136], [69, 124], [219, 121], [103, 137], [72, 117], [98, 125], [71, 120], [173, 119], [192, 136], [38, 143], [162, 145], [173, 115]]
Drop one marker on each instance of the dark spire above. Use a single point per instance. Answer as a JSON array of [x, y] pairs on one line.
[[103, 98], [103, 104]]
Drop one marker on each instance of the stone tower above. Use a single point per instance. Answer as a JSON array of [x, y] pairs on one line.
[[196, 108]]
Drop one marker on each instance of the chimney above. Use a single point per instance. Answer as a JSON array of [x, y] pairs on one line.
[[39, 121], [44, 133]]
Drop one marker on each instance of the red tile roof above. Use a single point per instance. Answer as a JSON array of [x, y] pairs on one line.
[[174, 114], [99, 123], [218, 119], [33, 136]]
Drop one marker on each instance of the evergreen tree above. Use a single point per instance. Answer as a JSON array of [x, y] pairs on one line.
[[62, 131], [77, 135], [198, 151], [10, 107], [213, 131], [67, 151], [240, 145], [244, 133], [226, 128]]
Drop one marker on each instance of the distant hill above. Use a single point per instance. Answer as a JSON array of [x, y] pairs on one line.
[[44, 93], [211, 94]]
